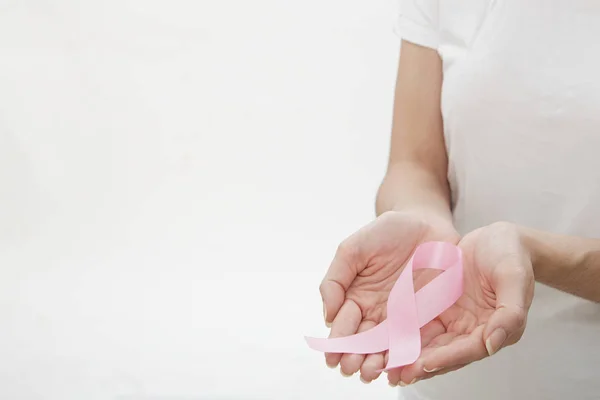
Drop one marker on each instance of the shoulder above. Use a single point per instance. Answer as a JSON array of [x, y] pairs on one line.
[[434, 23]]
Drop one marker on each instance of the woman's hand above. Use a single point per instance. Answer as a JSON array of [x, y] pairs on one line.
[[365, 267], [491, 314]]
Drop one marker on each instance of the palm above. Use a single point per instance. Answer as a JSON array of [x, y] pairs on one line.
[[485, 252], [367, 265], [498, 290], [397, 236], [474, 308]]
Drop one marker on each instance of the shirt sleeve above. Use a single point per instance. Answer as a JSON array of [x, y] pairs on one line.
[[417, 22]]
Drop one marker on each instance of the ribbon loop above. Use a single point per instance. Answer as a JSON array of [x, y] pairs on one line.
[[407, 311]]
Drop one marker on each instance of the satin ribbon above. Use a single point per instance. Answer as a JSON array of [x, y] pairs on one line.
[[407, 311]]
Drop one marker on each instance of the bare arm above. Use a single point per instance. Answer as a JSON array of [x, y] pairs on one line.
[[416, 175], [567, 263]]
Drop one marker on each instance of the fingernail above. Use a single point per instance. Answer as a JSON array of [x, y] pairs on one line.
[[325, 313], [345, 374], [429, 371], [363, 380], [392, 384], [415, 380], [495, 341]]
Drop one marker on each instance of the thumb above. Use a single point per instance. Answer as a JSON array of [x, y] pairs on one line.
[[333, 296], [512, 285], [342, 271], [505, 327]]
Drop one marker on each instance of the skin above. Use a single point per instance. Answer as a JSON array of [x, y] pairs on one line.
[[501, 261]]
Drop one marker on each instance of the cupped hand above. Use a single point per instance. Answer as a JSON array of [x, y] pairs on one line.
[[362, 273], [492, 312]]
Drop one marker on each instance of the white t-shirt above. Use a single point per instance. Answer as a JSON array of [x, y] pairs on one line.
[[520, 102]]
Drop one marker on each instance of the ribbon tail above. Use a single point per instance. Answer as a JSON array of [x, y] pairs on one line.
[[374, 340], [404, 334]]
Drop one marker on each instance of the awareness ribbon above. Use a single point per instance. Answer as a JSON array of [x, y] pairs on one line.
[[407, 311]]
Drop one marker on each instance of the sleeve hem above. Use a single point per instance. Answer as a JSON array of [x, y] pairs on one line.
[[412, 32]]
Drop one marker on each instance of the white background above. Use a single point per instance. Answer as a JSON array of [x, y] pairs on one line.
[[174, 179]]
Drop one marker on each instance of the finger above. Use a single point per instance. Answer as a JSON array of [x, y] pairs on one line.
[[346, 264], [345, 323], [513, 286], [393, 374], [372, 366], [463, 349], [442, 371], [439, 341], [429, 334], [350, 363], [417, 371], [505, 327], [431, 331]]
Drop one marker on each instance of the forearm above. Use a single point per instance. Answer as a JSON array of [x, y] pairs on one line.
[[567, 263], [418, 163], [408, 186]]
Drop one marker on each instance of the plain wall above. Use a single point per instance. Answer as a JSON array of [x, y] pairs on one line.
[[174, 179]]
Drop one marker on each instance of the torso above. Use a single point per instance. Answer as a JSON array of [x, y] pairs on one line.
[[521, 107]]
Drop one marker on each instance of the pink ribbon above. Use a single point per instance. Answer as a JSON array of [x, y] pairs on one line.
[[407, 311]]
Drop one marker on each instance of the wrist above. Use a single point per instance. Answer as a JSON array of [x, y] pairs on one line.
[[427, 213], [567, 263], [436, 226], [551, 254], [533, 244], [412, 188]]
